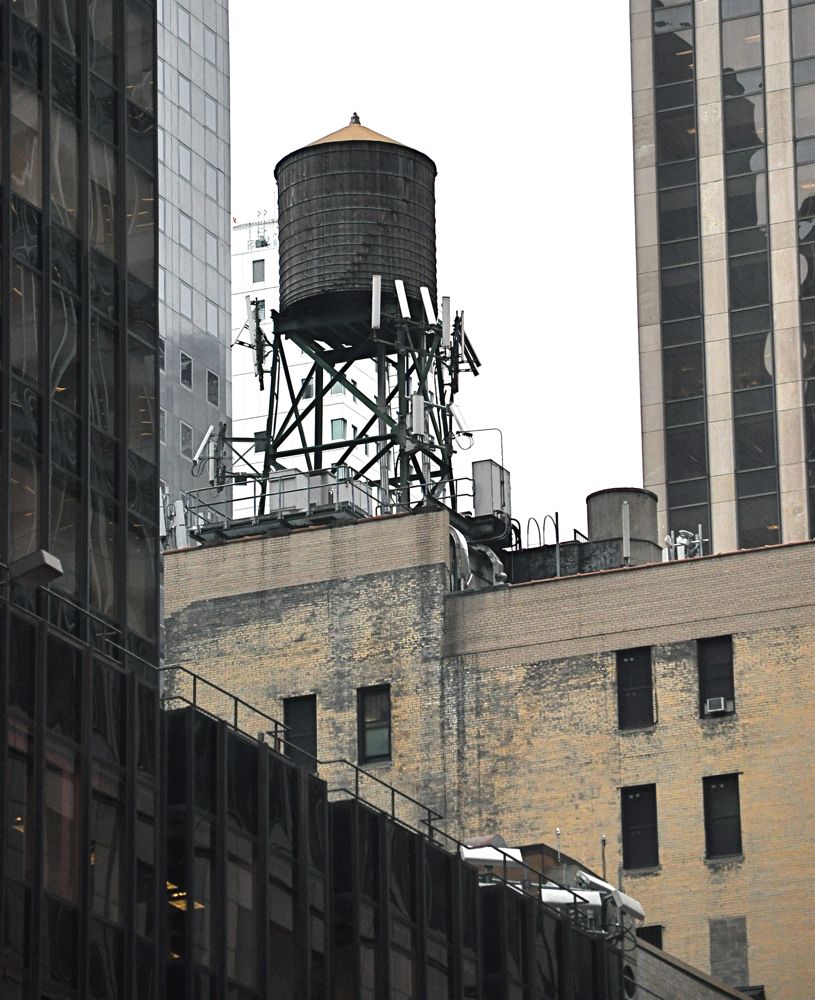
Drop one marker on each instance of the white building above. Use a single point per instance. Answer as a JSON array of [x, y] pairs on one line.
[[255, 276]]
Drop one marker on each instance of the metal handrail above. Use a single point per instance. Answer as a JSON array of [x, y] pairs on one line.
[[536, 879], [278, 727]]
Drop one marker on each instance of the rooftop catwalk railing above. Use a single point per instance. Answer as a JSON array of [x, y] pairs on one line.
[[181, 687], [299, 493]]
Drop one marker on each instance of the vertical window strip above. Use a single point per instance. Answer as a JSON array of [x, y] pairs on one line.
[[804, 128], [758, 517], [682, 323]]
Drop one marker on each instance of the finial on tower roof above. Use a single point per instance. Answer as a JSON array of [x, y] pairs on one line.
[[354, 119]]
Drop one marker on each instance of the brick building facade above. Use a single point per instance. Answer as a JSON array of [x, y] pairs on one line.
[[510, 709]]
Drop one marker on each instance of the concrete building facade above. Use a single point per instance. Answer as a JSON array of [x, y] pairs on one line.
[[581, 703], [194, 231], [724, 143]]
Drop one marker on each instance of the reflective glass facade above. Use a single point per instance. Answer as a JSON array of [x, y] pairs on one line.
[[721, 315], [758, 517], [682, 327], [80, 909], [78, 379]]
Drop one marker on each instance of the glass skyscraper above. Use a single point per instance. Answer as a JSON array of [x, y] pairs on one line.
[[79, 478], [724, 132]]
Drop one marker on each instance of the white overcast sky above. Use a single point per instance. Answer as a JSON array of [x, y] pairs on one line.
[[526, 111]]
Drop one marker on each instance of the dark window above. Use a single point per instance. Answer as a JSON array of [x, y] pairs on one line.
[[635, 702], [755, 442], [639, 816], [374, 723], [308, 389], [676, 135], [715, 661], [681, 292], [185, 375], [743, 122], [261, 303], [258, 270], [722, 818], [652, 934], [749, 280], [678, 214], [758, 521], [683, 369], [687, 458], [300, 718], [213, 388]]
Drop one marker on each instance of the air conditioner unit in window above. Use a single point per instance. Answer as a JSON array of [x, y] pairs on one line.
[[715, 705]]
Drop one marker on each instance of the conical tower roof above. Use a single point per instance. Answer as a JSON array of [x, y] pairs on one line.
[[355, 131]]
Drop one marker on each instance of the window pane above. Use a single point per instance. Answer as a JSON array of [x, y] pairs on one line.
[[752, 361], [103, 377], [681, 295], [106, 849], [258, 270], [635, 705], [63, 673], [374, 708], [743, 122], [185, 370], [803, 32], [676, 135], [758, 521], [678, 214], [141, 225], [24, 503], [19, 840], [673, 45], [639, 820], [104, 567], [749, 281], [66, 534], [25, 144], [186, 440], [63, 24], [686, 453], [683, 372], [805, 110], [755, 441], [747, 201], [213, 388], [141, 403], [139, 55], [142, 548], [102, 200], [100, 13], [737, 8], [24, 339], [722, 815], [741, 43], [715, 662], [60, 862], [64, 171]]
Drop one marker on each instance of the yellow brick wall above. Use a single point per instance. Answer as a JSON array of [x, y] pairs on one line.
[[504, 702]]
